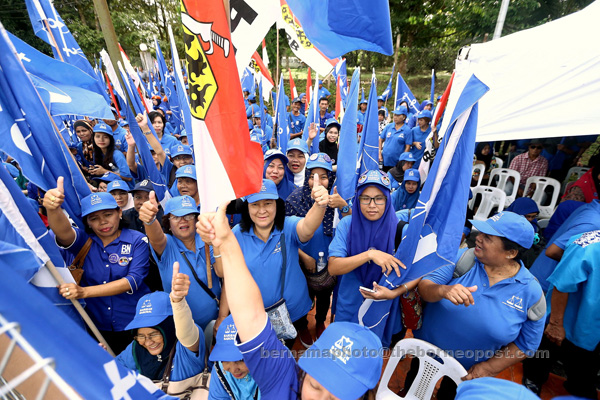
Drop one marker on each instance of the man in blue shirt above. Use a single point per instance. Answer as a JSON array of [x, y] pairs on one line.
[[296, 120], [394, 139], [324, 115], [322, 92]]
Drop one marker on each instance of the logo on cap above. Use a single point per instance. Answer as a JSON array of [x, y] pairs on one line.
[[188, 170], [362, 178], [230, 332], [497, 217], [144, 182], [411, 173], [116, 184], [185, 202], [342, 349], [146, 307], [263, 188], [179, 148], [326, 158], [385, 180], [296, 141], [96, 199], [313, 156]]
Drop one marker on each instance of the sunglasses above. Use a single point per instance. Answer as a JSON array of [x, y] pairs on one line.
[[536, 147]]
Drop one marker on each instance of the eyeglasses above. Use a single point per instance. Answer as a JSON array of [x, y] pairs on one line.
[[536, 147], [366, 200], [188, 217], [153, 336]]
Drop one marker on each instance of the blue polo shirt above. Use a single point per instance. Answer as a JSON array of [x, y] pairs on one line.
[[264, 261], [185, 362], [578, 275], [323, 93], [204, 308], [168, 141], [361, 117], [498, 317], [296, 123], [395, 140], [125, 257], [584, 219], [120, 141], [323, 119], [417, 135], [271, 365]]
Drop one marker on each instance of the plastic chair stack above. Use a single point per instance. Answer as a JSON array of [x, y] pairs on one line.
[[491, 198], [504, 183], [539, 195], [431, 369]]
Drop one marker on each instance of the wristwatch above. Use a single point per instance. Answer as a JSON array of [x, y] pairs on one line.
[[345, 209]]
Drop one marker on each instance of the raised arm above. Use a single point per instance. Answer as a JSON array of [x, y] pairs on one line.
[[156, 236], [130, 156], [57, 220], [186, 330], [314, 217], [142, 121]]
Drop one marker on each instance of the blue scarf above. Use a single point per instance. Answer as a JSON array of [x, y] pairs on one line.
[[286, 186], [364, 235], [242, 388], [402, 200]]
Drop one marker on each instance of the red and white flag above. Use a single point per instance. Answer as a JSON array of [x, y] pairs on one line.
[[228, 164], [308, 86], [293, 90], [339, 107], [261, 71], [265, 55]]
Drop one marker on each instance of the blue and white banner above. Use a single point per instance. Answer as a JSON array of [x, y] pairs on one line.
[[184, 101], [368, 149], [340, 71], [281, 116], [403, 93], [313, 116]]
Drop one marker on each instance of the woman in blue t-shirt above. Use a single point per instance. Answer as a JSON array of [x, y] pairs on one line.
[[106, 157]]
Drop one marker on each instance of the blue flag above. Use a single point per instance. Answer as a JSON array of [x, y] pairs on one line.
[[69, 89], [32, 133], [66, 48], [388, 90], [263, 113], [183, 100], [283, 127], [436, 226], [368, 149], [313, 116], [403, 93], [340, 71], [163, 71], [248, 81], [346, 175], [432, 85], [337, 27]]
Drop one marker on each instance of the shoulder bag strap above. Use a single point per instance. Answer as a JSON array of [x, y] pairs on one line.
[[202, 284], [283, 262], [166, 378], [80, 257], [223, 380]]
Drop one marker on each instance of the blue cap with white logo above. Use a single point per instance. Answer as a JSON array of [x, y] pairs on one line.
[[364, 101], [276, 153], [345, 360], [268, 191], [407, 156], [424, 114], [117, 185], [332, 122], [107, 177], [256, 114], [97, 202], [374, 177], [187, 171], [183, 133], [296, 100], [412, 175], [103, 128], [297, 144], [319, 160], [180, 206], [252, 97], [181, 149], [400, 110], [123, 122], [380, 98], [144, 186], [225, 348], [151, 310], [509, 225]]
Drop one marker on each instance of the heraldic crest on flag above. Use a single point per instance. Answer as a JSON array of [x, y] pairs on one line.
[[288, 18]]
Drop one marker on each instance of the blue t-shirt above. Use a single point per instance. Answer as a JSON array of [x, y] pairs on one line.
[[323, 93], [271, 365], [204, 308], [264, 261], [185, 362], [168, 141], [120, 141], [578, 274], [499, 316], [417, 135], [296, 123], [395, 141], [125, 257], [586, 218], [361, 117], [323, 120]]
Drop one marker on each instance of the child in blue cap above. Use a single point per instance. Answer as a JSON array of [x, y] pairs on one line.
[[345, 362]]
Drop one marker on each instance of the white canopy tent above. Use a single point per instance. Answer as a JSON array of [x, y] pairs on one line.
[[544, 81]]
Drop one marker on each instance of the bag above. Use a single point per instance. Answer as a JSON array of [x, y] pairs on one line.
[[412, 310], [192, 388], [278, 312], [76, 267], [320, 281]]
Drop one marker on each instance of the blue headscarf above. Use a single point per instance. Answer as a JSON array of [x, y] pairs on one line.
[[402, 200], [286, 186], [524, 206], [364, 235]]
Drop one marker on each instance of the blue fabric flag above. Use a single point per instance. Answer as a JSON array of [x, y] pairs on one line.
[[340, 71], [183, 100], [67, 48], [283, 127], [248, 81], [32, 134], [432, 85], [337, 27], [403, 93], [263, 113], [313, 116], [348, 149], [163, 71], [70, 90], [388, 90], [368, 149], [435, 229]]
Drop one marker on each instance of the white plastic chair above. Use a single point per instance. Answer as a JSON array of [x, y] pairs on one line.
[[431, 370], [481, 169], [490, 197], [539, 195], [578, 172], [503, 183], [499, 162]]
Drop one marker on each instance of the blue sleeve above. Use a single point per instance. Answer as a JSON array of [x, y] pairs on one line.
[[141, 173], [441, 276], [290, 228], [121, 164], [139, 265], [339, 246], [326, 92], [573, 268], [216, 390], [80, 238], [125, 358], [271, 364], [531, 333], [578, 226], [187, 363]]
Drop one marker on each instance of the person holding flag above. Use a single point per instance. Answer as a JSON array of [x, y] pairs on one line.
[[394, 139], [115, 261]]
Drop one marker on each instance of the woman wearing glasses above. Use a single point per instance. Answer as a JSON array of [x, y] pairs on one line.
[[182, 244], [362, 251]]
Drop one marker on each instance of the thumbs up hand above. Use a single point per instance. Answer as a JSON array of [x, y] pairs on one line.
[[149, 210], [319, 193], [336, 201], [180, 285], [54, 198]]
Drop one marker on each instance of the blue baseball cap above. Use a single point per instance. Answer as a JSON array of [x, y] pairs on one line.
[[276, 153], [345, 360], [424, 114], [320, 81], [496, 389], [296, 100], [297, 144], [187, 171], [333, 121], [256, 114], [117, 185], [374, 177], [144, 186], [268, 191], [400, 110], [151, 310], [364, 101], [252, 96], [426, 103], [180, 206], [97, 202], [412, 175], [123, 122], [107, 177], [380, 98], [245, 89], [103, 128], [509, 225], [225, 348], [407, 156], [180, 149], [319, 160], [183, 133]]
